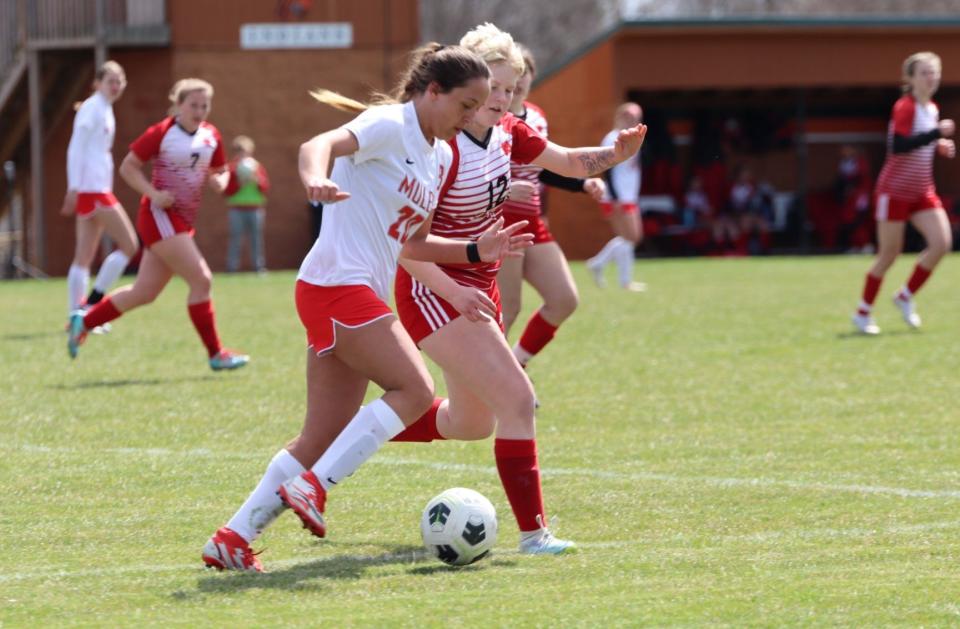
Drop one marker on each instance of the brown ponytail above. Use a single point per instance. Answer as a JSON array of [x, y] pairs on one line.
[[449, 67]]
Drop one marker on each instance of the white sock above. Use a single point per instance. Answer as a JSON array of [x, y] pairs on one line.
[[624, 259], [263, 506], [606, 254], [111, 270], [372, 426], [77, 279], [522, 355]]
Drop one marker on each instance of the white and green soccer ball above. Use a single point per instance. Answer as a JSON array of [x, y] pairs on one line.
[[459, 526]]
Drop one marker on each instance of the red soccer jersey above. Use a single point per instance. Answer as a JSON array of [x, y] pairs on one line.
[[535, 118], [182, 162], [909, 175], [472, 197]]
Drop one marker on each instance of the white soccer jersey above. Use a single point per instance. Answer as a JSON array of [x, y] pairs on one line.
[[623, 180], [394, 181], [536, 120], [472, 198], [182, 163], [90, 153]]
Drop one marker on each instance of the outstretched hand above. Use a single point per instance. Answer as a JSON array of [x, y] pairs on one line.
[[69, 206], [498, 242], [629, 141], [323, 190]]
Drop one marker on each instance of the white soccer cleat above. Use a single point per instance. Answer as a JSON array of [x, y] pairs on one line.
[[910, 315], [865, 324], [596, 271], [544, 543]]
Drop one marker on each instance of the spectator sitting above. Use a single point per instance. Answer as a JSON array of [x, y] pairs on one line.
[[696, 210]]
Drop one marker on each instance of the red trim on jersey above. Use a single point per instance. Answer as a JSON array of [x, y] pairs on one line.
[[219, 158], [454, 168], [904, 111], [528, 144], [147, 145]]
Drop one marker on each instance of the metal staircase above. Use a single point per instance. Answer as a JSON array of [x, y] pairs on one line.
[[41, 76]]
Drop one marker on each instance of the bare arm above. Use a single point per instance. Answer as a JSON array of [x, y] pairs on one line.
[[131, 169], [316, 162], [219, 179], [472, 303], [589, 161], [492, 245]]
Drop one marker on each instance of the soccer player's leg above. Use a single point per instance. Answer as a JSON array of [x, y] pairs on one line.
[[115, 223], [547, 271], [890, 234], [934, 225]]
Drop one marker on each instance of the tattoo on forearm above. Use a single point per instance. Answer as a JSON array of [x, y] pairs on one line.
[[595, 162]]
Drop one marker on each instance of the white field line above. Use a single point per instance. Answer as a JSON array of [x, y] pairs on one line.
[[273, 565], [715, 481]]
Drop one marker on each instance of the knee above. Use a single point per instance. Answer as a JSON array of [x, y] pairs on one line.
[[565, 305], [129, 249], [420, 395], [942, 245], [202, 283]]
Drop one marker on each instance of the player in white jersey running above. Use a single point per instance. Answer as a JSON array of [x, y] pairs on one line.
[[187, 152], [378, 202], [90, 191], [905, 190], [489, 393], [543, 265], [620, 207]]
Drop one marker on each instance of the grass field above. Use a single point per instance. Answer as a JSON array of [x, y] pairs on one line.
[[722, 447]]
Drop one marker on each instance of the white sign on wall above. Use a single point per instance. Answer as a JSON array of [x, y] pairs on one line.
[[300, 35]]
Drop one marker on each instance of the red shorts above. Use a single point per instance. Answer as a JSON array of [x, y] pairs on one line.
[[422, 312], [321, 308], [90, 202], [607, 208], [156, 225], [892, 209], [535, 226]]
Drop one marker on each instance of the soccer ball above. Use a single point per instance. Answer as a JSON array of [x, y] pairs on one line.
[[459, 526], [246, 169]]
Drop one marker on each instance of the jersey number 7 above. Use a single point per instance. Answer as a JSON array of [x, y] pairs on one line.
[[405, 225]]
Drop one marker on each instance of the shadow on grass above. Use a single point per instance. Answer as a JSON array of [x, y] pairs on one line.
[[309, 576], [843, 336], [30, 336], [129, 382]]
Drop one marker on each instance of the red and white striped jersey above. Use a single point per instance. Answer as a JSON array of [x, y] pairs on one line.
[[182, 162], [90, 153], [535, 119], [909, 175], [472, 197]]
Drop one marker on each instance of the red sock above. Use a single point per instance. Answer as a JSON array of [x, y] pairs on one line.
[[425, 428], [537, 334], [102, 313], [202, 316], [870, 289], [917, 279], [520, 475]]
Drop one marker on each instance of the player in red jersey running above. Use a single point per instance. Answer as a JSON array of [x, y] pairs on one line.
[[187, 152], [488, 391], [905, 189], [90, 191], [543, 264], [378, 201]]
